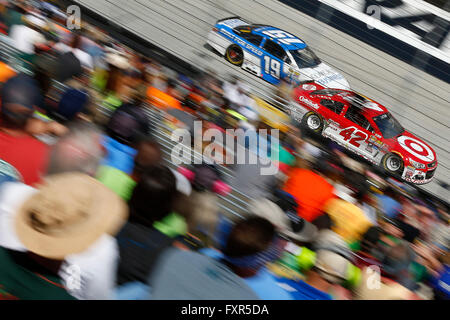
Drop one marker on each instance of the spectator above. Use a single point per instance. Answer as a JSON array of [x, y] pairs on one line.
[[14, 14], [349, 220], [187, 275], [6, 73], [80, 201], [98, 265], [74, 102], [204, 217], [251, 244], [311, 190], [28, 37], [389, 204], [139, 242], [80, 150], [126, 126], [333, 268], [20, 96], [162, 100], [111, 84], [75, 47], [148, 155], [129, 122]]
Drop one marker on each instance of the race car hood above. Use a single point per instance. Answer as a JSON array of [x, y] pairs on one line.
[[326, 76], [414, 148]]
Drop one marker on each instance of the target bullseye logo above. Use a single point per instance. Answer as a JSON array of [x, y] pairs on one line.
[[416, 148]]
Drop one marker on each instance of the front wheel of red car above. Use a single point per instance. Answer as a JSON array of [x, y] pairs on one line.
[[313, 122], [392, 163]]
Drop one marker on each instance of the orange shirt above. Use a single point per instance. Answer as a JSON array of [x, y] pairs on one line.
[[6, 72], [311, 192], [162, 100]]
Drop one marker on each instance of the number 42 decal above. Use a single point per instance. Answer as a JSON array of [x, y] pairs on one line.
[[354, 135]]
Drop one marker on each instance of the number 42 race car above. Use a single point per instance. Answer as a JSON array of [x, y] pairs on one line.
[[365, 127], [270, 53]]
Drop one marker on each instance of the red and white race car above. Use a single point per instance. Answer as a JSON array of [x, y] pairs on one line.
[[364, 127]]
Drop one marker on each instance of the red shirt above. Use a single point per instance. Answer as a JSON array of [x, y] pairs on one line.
[[27, 154]]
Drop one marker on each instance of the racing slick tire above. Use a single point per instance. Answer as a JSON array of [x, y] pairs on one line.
[[313, 122], [393, 164], [234, 55]]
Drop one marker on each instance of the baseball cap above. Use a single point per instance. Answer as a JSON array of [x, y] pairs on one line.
[[125, 125], [20, 90], [288, 224]]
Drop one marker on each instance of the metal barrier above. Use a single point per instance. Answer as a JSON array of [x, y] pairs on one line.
[[233, 204], [12, 56]]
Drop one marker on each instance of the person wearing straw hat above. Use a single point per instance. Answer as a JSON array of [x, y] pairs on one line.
[[78, 151], [65, 216]]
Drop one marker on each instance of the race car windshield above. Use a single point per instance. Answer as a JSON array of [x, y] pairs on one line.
[[305, 58], [388, 126]]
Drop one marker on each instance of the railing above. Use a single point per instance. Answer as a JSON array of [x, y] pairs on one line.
[[234, 204], [12, 56]]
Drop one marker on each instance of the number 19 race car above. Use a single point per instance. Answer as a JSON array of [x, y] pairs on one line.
[[271, 53], [364, 127]]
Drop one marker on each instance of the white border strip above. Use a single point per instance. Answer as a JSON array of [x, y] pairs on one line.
[[375, 23]]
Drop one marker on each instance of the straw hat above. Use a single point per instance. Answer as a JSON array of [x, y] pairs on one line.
[[69, 212]]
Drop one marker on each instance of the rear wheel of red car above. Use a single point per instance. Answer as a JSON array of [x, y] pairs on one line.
[[234, 55], [392, 163], [313, 122]]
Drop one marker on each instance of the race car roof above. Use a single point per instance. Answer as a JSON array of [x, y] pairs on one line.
[[286, 40], [370, 108]]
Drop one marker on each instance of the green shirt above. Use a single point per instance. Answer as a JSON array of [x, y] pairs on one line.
[[22, 279], [121, 184], [117, 181], [172, 225]]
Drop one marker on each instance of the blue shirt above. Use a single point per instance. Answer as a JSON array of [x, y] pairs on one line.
[[389, 206], [264, 284], [300, 290], [119, 156]]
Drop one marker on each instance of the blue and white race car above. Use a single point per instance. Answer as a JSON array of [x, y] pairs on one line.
[[271, 53]]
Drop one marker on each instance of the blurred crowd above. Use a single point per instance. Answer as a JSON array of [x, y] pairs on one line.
[[91, 209]]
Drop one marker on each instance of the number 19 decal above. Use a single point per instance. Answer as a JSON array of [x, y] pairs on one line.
[[272, 66], [354, 135]]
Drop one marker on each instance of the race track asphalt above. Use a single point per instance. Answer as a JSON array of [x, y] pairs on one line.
[[419, 101]]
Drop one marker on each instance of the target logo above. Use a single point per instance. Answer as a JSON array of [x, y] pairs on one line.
[[416, 148]]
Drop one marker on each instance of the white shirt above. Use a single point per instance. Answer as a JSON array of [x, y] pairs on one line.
[[85, 58], [26, 38], [95, 269]]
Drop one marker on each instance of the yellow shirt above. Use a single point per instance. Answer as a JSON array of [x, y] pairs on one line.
[[349, 220]]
